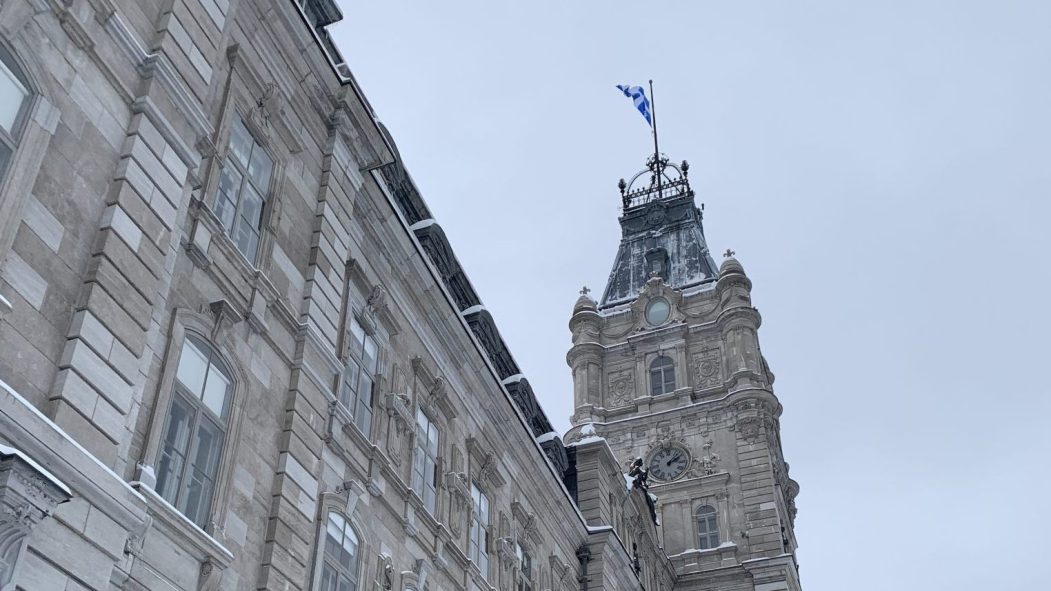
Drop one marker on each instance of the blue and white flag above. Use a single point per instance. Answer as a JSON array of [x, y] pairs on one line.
[[637, 94]]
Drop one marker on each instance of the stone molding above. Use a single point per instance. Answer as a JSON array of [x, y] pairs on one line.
[[28, 495]]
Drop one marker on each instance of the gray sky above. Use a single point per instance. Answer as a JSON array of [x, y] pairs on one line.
[[881, 169]]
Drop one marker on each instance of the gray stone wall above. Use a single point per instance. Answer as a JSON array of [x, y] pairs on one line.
[[113, 253]]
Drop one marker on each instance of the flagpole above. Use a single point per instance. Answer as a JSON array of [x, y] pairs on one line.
[[656, 151]]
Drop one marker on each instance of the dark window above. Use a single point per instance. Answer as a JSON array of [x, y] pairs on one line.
[[425, 461], [359, 376], [244, 185]]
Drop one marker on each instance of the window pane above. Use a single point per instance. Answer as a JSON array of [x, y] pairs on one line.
[[260, 169], [173, 452], [363, 419], [328, 576], [202, 472], [215, 390], [349, 551], [369, 358], [350, 385], [432, 441], [241, 142], [193, 364], [357, 336], [251, 206], [229, 190], [245, 238], [12, 94]]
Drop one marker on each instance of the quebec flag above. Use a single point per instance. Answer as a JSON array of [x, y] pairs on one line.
[[637, 94]]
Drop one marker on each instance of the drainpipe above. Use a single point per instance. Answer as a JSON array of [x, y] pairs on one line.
[[584, 556]]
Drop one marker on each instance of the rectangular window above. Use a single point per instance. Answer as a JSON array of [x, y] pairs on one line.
[[244, 184], [425, 462], [525, 569], [358, 387], [478, 540]]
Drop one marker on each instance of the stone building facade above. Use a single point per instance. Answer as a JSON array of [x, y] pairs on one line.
[[237, 351]]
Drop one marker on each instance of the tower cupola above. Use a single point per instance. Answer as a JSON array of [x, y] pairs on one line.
[[661, 233]]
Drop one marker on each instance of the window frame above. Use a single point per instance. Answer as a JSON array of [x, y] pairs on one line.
[[525, 576], [357, 360], [12, 138], [478, 534], [710, 517], [181, 393], [432, 455], [190, 322], [229, 159], [323, 558], [665, 371]]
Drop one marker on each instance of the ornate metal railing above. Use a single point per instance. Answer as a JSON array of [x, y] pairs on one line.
[[666, 181]]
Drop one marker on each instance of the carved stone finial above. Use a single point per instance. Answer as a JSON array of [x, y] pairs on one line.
[[584, 290], [729, 253]]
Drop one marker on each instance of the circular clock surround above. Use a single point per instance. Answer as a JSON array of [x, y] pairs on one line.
[[668, 463], [658, 311]]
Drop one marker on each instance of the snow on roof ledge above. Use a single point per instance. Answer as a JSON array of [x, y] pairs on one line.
[[10, 451], [515, 378], [550, 435], [423, 224], [472, 310]]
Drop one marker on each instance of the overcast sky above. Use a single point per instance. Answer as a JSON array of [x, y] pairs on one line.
[[881, 169]]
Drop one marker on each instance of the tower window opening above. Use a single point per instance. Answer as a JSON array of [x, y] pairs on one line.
[[707, 528], [662, 375]]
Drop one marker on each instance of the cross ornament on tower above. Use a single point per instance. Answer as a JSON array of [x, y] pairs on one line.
[[729, 253], [584, 290]]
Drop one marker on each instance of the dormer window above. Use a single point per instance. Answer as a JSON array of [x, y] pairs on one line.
[[657, 263]]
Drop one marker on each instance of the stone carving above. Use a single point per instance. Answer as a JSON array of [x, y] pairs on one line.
[[706, 366], [621, 388], [456, 483], [210, 576], [26, 498], [707, 464], [402, 421]]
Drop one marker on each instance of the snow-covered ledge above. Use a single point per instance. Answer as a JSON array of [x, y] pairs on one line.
[[28, 494]]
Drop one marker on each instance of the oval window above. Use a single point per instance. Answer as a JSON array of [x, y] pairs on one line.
[[658, 311]]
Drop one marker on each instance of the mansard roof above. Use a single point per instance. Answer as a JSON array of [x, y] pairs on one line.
[[432, 239], [661, 232]]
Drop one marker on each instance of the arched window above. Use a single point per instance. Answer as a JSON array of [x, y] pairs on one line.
[[662, 375], [339, 567], [707, 528], [244, 186], [194, 431], [14, 95]]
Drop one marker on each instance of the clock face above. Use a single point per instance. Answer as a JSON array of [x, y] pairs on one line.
[[669, 463]]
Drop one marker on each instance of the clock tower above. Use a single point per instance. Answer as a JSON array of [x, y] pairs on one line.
[[667, 368]]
